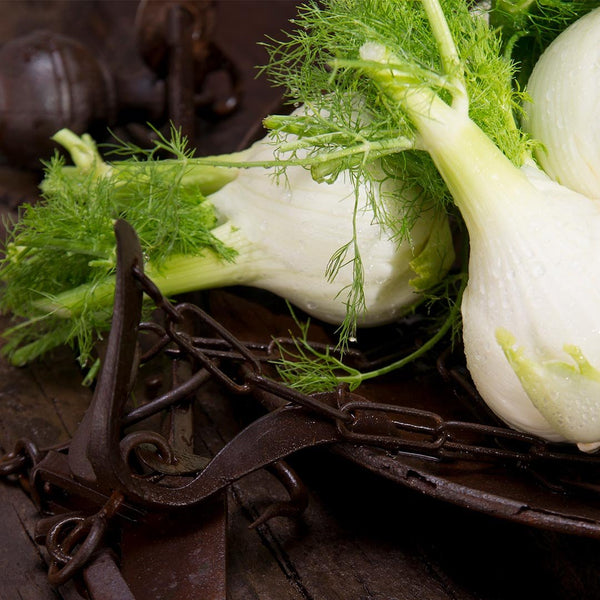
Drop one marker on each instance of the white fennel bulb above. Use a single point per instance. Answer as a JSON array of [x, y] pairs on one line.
[[295, 226], [530, 311], [531, 324], [288, 228], [322, 246], [564, 88]]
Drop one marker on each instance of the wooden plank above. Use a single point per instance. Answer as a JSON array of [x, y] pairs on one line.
[[21, 564], [44, 403]]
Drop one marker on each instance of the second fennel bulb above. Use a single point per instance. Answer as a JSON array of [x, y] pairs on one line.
[[531, 320], [295, 225], [564, 90]]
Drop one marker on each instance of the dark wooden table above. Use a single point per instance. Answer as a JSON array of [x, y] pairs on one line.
[[363, 537]]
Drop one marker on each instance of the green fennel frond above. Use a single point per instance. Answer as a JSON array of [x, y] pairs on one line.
[[350, 125], [527, 28], [542, 20], [66, 242], [175, 147], [317, 65], [309, 369]]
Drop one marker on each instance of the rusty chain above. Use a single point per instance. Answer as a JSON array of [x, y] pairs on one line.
[[73, 539], [359, 420], [241, 368], [401, 428]]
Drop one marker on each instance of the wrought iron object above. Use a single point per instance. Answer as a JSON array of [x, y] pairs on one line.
[[50, 81], [120, 480]]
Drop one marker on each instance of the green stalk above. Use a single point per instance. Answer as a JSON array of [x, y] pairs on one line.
[[199, 174], [450, 59], [357, 378], [478, 175], [178, 274]]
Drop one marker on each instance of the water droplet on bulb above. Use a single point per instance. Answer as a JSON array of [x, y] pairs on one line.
[[537, 270]]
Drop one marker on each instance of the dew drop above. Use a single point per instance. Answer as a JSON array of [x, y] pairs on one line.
[[537, 270]]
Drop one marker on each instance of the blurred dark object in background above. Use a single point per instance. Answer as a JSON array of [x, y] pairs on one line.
[[112, 68], [127, 64]]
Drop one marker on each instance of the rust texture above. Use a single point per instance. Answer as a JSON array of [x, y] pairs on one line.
[[163, 496]]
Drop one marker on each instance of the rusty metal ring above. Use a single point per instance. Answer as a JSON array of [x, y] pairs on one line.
[[25, 454], [296, 489], [88, 530], [53, 542], [12, 463], [29, 449]]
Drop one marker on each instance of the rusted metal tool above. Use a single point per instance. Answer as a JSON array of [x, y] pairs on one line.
[[96, 467], [123, 492]]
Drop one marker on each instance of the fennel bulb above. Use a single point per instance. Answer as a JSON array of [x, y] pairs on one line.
[[295, 226], [564, 88], [435, 77], [315, 244], [531, 329]]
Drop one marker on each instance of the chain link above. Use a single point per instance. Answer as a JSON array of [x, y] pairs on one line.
[[360, 420], [25, 455]]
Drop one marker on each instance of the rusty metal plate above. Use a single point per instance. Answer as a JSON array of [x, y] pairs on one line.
[[500, 492]]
